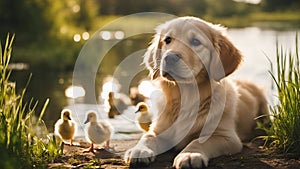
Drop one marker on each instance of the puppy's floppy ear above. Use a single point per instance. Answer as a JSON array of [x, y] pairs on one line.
[[225, 53], [152, 56]]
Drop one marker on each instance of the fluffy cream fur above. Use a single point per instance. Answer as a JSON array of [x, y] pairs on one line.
[[191, 59]]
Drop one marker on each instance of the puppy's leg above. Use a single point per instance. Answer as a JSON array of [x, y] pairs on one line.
[[197, 154], [144, 152]]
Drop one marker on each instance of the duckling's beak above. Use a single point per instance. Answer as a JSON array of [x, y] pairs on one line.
[[69, 118], [87, 120], [137, 111]]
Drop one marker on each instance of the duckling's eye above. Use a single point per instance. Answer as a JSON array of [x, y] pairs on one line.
[[195, 42], [168, 40]]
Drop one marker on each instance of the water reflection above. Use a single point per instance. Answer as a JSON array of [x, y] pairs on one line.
[[43, 85], [257, 45], [74, 92]]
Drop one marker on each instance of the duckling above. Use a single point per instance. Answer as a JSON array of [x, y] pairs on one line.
[[117, 105], [135, 96], [145, 117], [97, 132], [65, 128]]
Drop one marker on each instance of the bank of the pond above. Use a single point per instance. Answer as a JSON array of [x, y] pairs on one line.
[[251, 157]]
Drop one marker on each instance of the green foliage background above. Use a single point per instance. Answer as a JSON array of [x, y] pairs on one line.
[[45, 28]]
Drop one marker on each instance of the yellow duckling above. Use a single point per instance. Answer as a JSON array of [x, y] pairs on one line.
[[145, 117], [65, 127], [97, 132]]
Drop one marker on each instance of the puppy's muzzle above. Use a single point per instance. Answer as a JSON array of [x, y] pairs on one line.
[[170, 64], [171, 58]]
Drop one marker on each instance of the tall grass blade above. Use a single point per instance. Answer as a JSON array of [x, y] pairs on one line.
[[283, 135], [20, 145], [43, 109]]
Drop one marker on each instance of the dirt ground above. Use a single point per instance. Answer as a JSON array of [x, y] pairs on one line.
[[252, 157]]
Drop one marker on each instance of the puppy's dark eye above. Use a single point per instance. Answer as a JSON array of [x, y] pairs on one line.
[[195, 42], [168, 40]]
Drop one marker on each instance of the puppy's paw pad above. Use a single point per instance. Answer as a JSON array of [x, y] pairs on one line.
[[190, 160], [139, 156]]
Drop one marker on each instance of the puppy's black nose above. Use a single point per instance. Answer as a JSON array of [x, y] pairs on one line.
[[172, 58]]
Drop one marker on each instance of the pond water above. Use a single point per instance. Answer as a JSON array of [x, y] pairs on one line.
[[255, 44], [258, 47]]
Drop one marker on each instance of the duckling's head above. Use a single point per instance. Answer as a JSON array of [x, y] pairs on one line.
[[65, 114], [91, 117], [142, 107], [111, 95]]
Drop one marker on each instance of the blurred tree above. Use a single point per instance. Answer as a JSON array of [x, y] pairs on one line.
[[187, 7], [25, 17], [33, 20], [228, 8], [279, 5], [199, 7], [87, 13], [176, 7], [216, 8], [45, 28]]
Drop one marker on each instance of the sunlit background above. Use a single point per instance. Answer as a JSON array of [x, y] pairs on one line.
[[51, 33]]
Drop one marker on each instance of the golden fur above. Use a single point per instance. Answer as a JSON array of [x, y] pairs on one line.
[[190, 59]]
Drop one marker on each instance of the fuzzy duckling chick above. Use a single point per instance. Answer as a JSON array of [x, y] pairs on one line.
[[97, 132], [145, 117], [117, 105], [65, 127], [136, 96]]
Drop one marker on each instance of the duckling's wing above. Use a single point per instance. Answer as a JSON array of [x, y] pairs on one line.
[[98, 129], [95, 133], [56, 126], [150, 116], [121, 105], [106, 127], [74, 126]]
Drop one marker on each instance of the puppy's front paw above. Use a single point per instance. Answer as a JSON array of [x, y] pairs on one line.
[[190, 160], [139, 156]]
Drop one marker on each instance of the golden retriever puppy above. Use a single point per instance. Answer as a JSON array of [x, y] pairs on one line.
[[190, 59], [252, 103]]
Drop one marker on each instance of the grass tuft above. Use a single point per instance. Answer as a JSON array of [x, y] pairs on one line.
[[283, 135], [22, 143]]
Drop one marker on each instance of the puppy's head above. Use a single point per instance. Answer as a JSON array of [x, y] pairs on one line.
[[188, 47]]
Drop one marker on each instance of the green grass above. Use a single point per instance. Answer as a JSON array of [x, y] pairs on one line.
[[284, 133], [22, 146]]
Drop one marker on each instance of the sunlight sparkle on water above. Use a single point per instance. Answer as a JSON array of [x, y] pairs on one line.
[[119, 34], [85, 35], [146, 88], [110, 86], [76, 37], [75, 92], [105, 35]]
